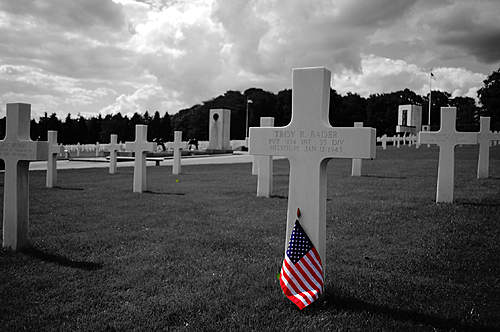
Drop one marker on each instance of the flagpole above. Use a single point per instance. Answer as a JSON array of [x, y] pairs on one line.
[[246, 122], [430, 100]]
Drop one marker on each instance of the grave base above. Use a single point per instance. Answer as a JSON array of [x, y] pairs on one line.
[[216, 151]]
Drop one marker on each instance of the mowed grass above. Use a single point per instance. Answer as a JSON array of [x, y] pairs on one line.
[[204, 253]]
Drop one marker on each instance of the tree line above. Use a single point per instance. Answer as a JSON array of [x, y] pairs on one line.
[[377, 110]]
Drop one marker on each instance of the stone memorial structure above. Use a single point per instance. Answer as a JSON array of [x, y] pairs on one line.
[[219, 130], [140, 147], [446, 138], [356, 162], [17, 150], [113, 148], [308, 141], [264, 166], [53, 150], [409, 119], [485, 139], [177, 146]]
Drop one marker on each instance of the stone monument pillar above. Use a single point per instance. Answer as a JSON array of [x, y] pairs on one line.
[[219, 129]]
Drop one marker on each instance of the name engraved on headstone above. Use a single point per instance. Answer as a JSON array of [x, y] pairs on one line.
[[16, 149], [306, 141]]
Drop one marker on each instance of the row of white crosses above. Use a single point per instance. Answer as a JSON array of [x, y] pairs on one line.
[[141, 147], [396, 140], [17, 150], [78, 148], [447, 137]]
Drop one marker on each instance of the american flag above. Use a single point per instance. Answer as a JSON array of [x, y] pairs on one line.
[[301, 276]]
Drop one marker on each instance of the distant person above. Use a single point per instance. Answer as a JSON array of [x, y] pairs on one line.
[[190, 144], [159, 142]]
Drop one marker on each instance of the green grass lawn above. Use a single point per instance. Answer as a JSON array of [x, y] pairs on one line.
[[203, 253]]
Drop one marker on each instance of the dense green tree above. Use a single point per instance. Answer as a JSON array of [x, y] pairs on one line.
[[489, 96], [378, 111], [467, 113], [438, 99], [68, 133], [283, 108], [94, 130], [34, 129], [43, 127], [165, 132], [262, 104], [53, 123], [82, 131], [119, 126], [154, 127], [351, 108]]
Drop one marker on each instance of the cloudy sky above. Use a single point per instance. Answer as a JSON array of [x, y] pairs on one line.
[[108, 56]]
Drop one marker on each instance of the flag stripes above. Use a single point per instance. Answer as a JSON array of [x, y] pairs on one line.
[[302, 281]]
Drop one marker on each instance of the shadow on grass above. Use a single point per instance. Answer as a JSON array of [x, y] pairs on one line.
[[162, 193], [61, 260], [384, 177], [486, 203], [67, 188], [352, 304], [286, 197]]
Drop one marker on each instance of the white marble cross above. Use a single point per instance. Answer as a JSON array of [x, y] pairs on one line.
[[17, 150], [356, 162], [384, 141], [255, 170], [415, 141], [113, 147], [54, 150], [264, 166], [177, 146], [410, 140], [308, 141], [485, 138], [446, 138], [140, 146]]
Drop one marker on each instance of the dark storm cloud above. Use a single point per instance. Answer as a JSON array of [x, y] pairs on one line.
[[467, 30], [126, 55], [65, 56], [70, 15], [374, 13]]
